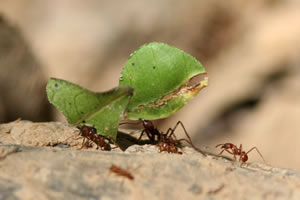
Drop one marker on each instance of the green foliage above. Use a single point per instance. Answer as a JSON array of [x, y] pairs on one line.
[[102, 110], [159, 75]]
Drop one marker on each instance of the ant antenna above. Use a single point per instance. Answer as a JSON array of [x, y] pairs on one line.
[[258, 153]]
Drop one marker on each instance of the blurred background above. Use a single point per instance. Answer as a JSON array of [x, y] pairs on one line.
[[250, 50]]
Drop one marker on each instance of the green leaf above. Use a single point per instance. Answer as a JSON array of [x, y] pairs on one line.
[[81, 106], [160, 76]]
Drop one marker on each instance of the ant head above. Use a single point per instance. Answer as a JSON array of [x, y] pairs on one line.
[[84, 130], [147, 124], [243, 157], [93, 130]]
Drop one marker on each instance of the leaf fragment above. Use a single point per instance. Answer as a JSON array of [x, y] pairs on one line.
[[159, 75], [81, 106]]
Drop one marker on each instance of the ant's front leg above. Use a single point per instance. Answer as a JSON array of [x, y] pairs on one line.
[[83, 143], [227, 152], [257, 152], [172, 130], [170, 133], [150, 136], [142, 133], [189, 140]]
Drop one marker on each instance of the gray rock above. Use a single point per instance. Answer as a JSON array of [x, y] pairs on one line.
[[38, 172]]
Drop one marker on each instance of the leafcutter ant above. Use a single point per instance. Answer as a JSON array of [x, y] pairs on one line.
[[121, 172], [167, 141], [235, 151], [90, 134]]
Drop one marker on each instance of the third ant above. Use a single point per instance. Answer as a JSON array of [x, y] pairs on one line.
[[235, 151]]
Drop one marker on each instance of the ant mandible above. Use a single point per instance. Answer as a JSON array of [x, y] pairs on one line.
[[235, 151]]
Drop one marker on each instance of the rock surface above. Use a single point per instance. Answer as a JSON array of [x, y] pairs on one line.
[[31, 170]]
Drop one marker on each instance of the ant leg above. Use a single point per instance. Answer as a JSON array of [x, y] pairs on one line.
[[78, 137], [141, 135], [234, 156], [175, 127], [187, 135], [73, 137], [221, 152], [258, 153], [189, 138], [82, 145], [171, 131], [243, 163], [228, 152], [219, 145], [150, 136], [89, 144], [86, 143], [194, 147]]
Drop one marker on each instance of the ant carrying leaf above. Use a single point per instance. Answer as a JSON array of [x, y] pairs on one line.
[[90, 136], [166, 141], [90, 133]]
